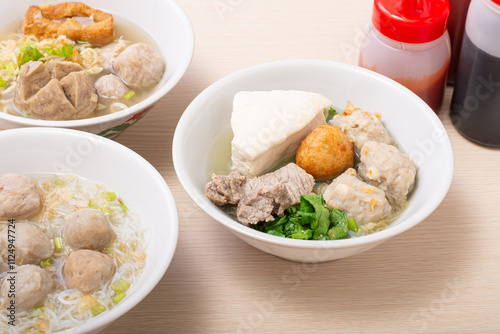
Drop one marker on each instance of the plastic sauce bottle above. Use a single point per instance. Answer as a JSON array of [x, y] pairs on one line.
[[407, 41], [456, 26], [475, 106]]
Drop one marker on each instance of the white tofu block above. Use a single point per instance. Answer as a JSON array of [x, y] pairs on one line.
[[269, 126]]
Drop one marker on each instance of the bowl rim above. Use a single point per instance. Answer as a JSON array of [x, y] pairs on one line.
[[209, 208], [162, 264], [153, 98]]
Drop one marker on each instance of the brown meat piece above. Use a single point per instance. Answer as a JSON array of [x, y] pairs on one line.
[[273, 193], [226, 189], [88, 229], [80, 90], [19, 197], [59, 68], [87, 270], [50, 103]]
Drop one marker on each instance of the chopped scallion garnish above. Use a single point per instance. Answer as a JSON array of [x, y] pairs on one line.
[[59, 182], [109, 195], [97, 309], [59, 245], [123, 206], [120, 286], [46, 263], [129, 95], [351, 224], [119, 297]]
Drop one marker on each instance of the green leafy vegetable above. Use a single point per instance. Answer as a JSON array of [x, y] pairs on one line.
[[66, 51], [29, 53], [310, 219], [329, 113]]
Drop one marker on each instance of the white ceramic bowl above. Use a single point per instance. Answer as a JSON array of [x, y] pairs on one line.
[[143, 189], [163, 20], [410, 121]]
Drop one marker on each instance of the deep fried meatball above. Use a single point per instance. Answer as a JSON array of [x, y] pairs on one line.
[[325, 153]]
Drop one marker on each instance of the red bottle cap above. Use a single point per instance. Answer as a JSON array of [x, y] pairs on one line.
[[411, 21]]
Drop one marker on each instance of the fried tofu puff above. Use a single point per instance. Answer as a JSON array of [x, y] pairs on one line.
[[325, 153]]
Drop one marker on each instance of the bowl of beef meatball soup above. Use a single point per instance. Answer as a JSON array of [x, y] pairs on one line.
[[96, 66], [312, 160], [87, 229]]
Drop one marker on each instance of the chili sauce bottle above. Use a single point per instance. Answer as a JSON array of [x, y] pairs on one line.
[[408, 42], [475, 106]]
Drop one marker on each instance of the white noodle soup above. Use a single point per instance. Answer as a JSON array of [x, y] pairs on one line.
[[64, 308]]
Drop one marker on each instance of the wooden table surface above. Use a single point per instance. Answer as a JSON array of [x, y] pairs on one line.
[[440, 277]]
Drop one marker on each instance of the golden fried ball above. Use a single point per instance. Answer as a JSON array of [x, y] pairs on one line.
[[325, 153]]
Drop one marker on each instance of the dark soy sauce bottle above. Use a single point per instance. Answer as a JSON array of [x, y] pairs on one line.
[[475, 106]]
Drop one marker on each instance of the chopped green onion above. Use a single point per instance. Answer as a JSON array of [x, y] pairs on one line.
[[59, 182], [107, 250], [38, 332], [129, 95], [329, 113], [123, 206], [97, 309], [109, 195], [119, 297], [120, 286], [3, 83], [351, 224], [59, 245], [46, 263], [92, 206]]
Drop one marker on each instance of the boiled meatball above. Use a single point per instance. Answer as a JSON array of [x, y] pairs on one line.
[[32, 245], [110, 86], [31, 286], [88, 229], [325, 153], [387, 168], [359, 200], [87, 270], [139, 65], [361, 126], [19, 197]]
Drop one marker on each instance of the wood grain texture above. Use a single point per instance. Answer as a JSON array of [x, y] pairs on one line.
[[439, 277]]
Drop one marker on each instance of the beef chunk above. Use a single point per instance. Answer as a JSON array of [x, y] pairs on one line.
[[273, 193], [32, 77], [226, 189], [81, 92], [59, 69]]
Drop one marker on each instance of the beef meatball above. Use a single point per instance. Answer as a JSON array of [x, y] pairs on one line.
[[139, 65], [32, 245], [19, 197], [110, 86], [361, 126], [87, 270], [31, 286], [325, 153], [88, 229], [387, 168], [359, 200]]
